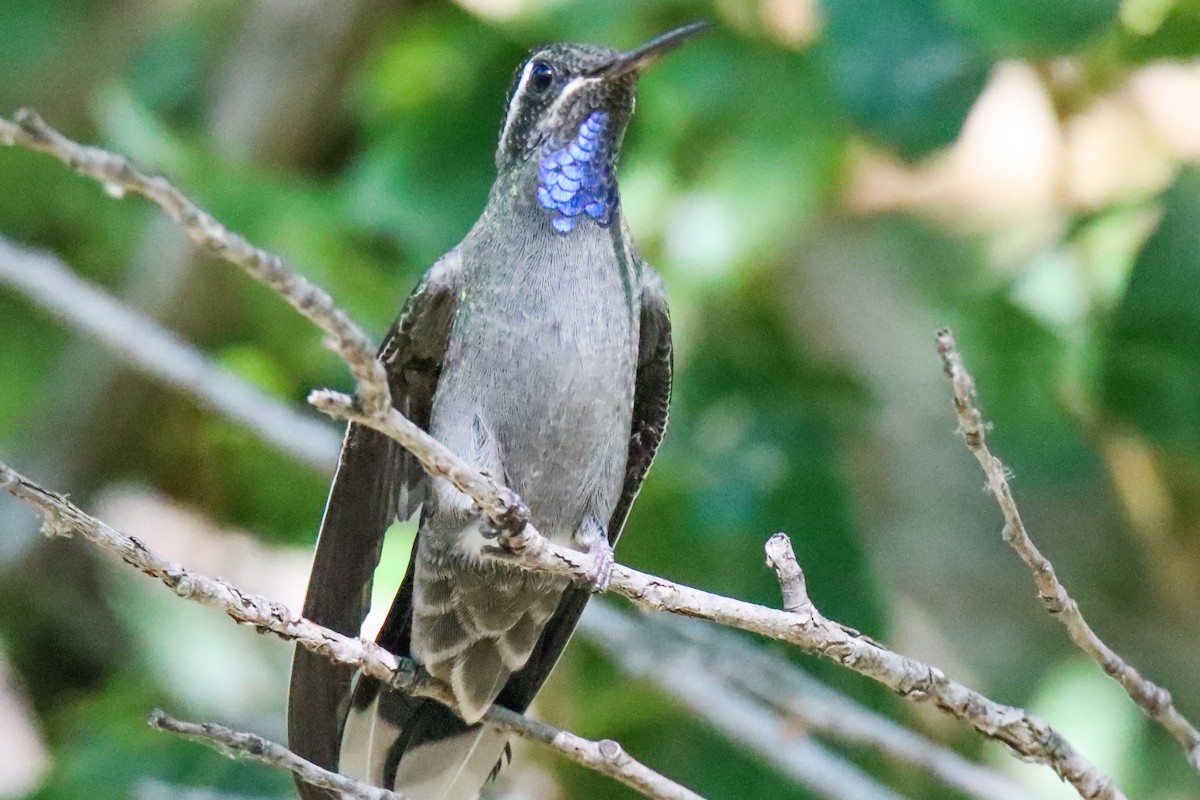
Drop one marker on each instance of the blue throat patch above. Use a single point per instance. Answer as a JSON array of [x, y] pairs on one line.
[[578, 179]]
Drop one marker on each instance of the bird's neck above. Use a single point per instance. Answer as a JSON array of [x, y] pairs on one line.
[[569, 181], [516, 241], [518, 203]]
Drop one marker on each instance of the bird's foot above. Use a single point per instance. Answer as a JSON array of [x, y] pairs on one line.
[[600, 555], [506, 528]]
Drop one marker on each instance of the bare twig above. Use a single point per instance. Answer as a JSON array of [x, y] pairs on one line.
[[159, 353], [1152, 698], [684, 672], [500, 504], [249, 746], [604, 756], [155, 351], [1029, 737], [662, 647], [1024, 734], [791, 578], [119, 176], [61, 517], [371, 404]]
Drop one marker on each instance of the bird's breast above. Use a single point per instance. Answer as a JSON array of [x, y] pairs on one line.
[[546, 361]]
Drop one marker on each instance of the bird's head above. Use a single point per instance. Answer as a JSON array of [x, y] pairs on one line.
[[566, 118]]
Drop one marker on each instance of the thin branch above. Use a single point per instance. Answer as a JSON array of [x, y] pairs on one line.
[[1026, 735], [61, 517], [371, 404], [661, 647], [119, 176], [503, 508], [680, 670], [809, 704], [157, 352], [1029, 737], [251, 747], [1152, 698], [604, 756]]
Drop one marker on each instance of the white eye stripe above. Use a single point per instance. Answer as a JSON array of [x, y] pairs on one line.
[[574, 85], [566, 93], [516, 100]]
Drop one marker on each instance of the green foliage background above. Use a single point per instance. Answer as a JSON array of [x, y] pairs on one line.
[[809, 397]]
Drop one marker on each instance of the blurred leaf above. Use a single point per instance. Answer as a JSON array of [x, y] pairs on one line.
[[1175, 36], [105, 748], [769, 157], [31, 32], [1151, 372], [211, 463], [256, 367], [23, 367], [393, 563], [1020, 364], [1033, 27], [1144, 17], [166, 69], [430, 125], [133, 127], [1093, 713], [755, 419], [903, 71]]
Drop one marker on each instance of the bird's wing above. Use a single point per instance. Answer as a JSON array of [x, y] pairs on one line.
[[652, 396], [376, 481]]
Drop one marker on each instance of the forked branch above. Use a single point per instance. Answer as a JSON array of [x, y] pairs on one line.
[[60, 517], [752, 696], [1028, 736]]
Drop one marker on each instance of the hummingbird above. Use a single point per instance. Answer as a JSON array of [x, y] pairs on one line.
[[539, 351]]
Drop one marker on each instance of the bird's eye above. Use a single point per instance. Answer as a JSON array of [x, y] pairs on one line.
[[540, 77]]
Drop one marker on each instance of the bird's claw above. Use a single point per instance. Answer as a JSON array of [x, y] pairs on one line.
[[509, 524], [599, 572], [600, 558]]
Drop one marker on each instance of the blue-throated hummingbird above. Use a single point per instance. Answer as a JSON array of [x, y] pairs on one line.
[[539, 350]]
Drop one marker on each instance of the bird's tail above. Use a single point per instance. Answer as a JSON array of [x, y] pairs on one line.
[[417, 746], [472, 626], [420, 747]]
